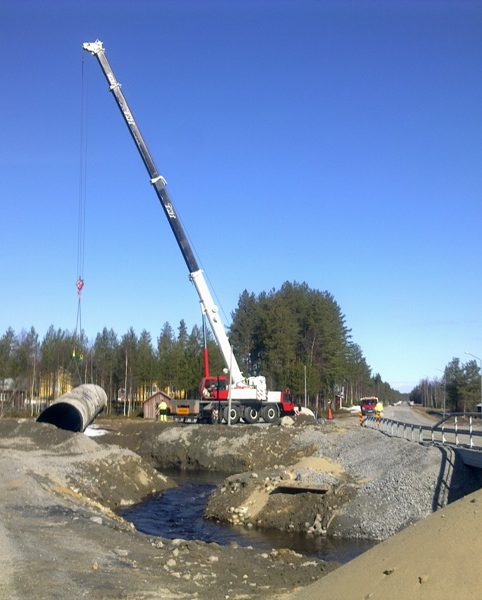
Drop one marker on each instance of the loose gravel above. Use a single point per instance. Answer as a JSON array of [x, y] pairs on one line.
[[398, 482]]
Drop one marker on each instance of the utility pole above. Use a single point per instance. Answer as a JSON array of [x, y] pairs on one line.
[[230, 384]]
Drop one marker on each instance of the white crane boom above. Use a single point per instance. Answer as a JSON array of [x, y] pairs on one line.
[[159, 183]]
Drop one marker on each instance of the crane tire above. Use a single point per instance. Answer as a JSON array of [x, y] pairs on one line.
[[235, 414], [251, 415], [270, 413]]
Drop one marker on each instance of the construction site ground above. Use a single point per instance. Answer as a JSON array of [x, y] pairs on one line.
[[61, 536]]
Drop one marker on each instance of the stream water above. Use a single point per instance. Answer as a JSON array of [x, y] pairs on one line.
[[178, 513]]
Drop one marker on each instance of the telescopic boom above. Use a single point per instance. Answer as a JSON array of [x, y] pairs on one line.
[[159, 183]]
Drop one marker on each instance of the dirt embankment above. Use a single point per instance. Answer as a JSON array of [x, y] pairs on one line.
[[74, 464], [236, 449], [60, 539], [435, 559]]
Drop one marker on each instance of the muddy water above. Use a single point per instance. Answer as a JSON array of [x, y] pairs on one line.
[[178, 513]]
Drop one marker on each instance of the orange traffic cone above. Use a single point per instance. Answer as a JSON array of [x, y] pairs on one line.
[[330, 413]]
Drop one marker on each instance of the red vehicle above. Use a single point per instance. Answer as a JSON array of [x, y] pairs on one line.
[[367, 404]]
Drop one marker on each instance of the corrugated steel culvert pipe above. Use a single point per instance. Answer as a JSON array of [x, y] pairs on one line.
[[76, 409]]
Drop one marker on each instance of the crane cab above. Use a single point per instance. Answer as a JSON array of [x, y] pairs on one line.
[[214, 388]]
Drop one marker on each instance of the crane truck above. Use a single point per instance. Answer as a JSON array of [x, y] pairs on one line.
[[241, 397]]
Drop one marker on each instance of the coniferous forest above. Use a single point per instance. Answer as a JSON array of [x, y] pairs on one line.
[[296, 336], [458, 390]]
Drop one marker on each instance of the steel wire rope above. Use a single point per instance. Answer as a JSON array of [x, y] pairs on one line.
[[81, 220]]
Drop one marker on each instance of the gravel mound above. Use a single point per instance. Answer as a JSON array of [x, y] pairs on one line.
[[398, 482]]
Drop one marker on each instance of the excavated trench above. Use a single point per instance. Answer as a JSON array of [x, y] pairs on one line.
[[305, 487], [203, 459], [178, 513]]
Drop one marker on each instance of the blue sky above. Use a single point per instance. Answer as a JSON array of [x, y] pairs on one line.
[[333, 142]]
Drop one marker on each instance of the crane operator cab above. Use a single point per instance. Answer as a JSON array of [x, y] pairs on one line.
[[214, 388]]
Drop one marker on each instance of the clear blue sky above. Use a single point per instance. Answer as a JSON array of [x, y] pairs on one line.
[[333, 142]]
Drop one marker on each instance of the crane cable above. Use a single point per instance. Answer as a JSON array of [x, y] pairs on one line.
[[79, 284]]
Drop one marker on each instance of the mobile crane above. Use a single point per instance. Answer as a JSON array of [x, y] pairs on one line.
[[246, 398]]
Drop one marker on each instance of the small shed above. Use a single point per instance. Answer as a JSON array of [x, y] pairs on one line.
[[150, 405]]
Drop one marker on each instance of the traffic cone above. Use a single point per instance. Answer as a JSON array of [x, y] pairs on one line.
[[330, 413]]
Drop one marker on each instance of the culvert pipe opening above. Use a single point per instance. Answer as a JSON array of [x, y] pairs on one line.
[[76, 409]]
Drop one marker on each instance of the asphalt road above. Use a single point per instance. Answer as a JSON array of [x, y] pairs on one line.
[[407, 414]]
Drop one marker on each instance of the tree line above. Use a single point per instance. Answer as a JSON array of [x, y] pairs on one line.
[[298, 338], [295, 336], [129, 367], [459, 390]]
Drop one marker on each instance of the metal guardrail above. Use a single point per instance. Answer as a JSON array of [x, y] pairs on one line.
[[460, 435]]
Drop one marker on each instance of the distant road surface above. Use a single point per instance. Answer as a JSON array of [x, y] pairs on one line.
[[406, 414]]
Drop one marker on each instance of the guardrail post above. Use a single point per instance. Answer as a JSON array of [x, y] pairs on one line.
[[397, 428]]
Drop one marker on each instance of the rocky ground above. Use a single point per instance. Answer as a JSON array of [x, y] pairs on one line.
[[328, 478], [60, 536]]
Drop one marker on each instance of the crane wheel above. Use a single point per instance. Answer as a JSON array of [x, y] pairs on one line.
[[251, 414], [270, 413], [235, 414]]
